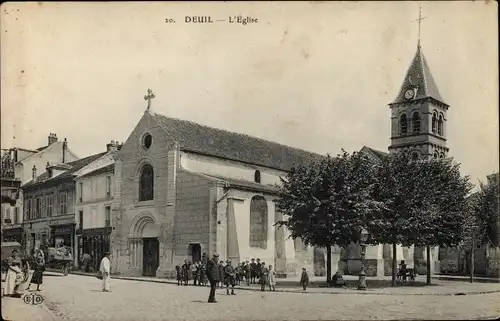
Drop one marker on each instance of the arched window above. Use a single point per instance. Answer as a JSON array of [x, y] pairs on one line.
[[435, 155], [258, 222], [441, 156], [434, 122], [403, 123], [415, 119], [256, 176], [146, 181], [414, 156], [440, 125]]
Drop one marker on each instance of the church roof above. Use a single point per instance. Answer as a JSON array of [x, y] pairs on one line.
[[374, 153], [419, 75], [215, 142]]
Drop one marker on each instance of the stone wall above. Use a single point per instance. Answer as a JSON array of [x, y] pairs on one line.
[[192, 217]]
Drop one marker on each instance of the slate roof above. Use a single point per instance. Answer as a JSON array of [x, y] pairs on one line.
[[75, 166], [106, 169], [419, 74], [215, 142], [374, 152]]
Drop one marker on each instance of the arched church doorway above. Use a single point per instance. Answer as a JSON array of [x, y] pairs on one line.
[[145, 246]]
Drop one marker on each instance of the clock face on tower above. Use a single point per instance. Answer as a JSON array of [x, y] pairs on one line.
[[409, 94]]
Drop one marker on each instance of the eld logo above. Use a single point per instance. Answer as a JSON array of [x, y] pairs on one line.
[[33, 298]]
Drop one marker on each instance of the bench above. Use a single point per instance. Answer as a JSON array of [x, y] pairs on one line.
[[407, 274]]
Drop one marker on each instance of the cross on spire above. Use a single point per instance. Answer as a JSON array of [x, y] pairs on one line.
[[148, 97], [420, 18]]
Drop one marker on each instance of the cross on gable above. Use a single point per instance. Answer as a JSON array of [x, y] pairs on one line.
[[148, 97]]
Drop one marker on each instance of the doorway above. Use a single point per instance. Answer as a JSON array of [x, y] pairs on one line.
[[195, 249], [151, 256]]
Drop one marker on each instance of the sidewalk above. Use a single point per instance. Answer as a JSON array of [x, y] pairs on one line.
[[14, 309], [376, 286]]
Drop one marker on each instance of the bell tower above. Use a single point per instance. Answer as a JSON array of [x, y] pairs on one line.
[[418, 114]]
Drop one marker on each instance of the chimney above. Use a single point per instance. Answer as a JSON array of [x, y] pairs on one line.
[[112, 147], [33, 171], [49, 170], [65, 146], [52, 138]]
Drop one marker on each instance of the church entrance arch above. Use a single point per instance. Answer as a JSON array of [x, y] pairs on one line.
[[145, 245]]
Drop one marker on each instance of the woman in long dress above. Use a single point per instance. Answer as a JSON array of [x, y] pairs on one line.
[[271, 278], [14, 275], [37, 277]]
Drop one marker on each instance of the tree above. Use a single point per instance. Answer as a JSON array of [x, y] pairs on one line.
[[443, 219], [326, 204], [488, 212], [400, 191]]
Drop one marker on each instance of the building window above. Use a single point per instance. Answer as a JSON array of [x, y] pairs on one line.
[[108, 186], [256, 176], [403, 123], [441, 156], [44, 206], [50, 204], [62, 203], [80, 220], [6, 218], [440, 125], [414, 156], [15, 218], [27, 209], [147, 140], [435, 155], [43, 240], [38, 207], [258, 222], [146, 181], [434, 122], [415, 119], [93, 186], [80, 191], [107, 211]]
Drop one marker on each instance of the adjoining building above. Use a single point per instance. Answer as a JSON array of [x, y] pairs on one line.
[[19, 164], [94, 196]]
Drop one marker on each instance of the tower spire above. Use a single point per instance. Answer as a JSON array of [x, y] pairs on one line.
[[420, 18]]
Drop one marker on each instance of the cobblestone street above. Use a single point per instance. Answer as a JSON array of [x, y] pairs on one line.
[[77, 297]]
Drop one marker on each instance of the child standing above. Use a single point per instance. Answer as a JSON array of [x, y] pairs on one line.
[[304, 279], [179, 274], [271, 278]]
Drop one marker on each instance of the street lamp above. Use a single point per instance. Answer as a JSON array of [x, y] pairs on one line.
[[362, 274]]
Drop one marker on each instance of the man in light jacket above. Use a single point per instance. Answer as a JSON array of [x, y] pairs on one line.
[[105, 269]]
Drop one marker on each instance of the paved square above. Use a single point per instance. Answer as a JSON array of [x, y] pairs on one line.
[[77, 297]]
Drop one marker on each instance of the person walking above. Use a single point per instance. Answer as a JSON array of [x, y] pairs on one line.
[[105, 269], [213, 276], [37, 278]]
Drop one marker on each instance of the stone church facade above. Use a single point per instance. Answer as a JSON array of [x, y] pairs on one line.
[[183, 189]]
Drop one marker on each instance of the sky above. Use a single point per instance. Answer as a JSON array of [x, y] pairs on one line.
[[313, 75]]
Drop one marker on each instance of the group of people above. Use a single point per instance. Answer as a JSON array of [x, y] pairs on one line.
[[227, 274], [17, 273]]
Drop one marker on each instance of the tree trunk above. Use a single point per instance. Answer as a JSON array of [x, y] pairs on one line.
[[394, 264], [328, 264], [472, 261], [428, 263]]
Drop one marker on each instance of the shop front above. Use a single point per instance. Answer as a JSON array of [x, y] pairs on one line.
[[13, 234], [62, 235], [94, 242]]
